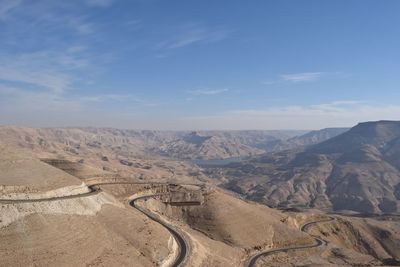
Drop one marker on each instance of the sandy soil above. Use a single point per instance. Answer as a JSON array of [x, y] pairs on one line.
[[18, 169], [113, 237]]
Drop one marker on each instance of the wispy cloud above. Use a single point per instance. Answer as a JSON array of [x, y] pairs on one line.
[[44, 79], [298, 77], [16, 100], [50, 70], [206, 91], [338, 105], [194, 34], [54, 48], [78, 23], [347, 102], [133, 24], [302, 77], [117, 98], [105, 97]]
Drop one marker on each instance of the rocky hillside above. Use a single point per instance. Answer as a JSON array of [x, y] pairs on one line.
[[135, 143], [357, 170], [301, 140], [225, 144], [314, 137], [220, 228], [77, 140], [196, 146]]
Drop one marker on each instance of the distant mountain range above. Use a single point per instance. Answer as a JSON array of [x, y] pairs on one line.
[[225, 144], [357, 170], [178, 145], [333, 169]]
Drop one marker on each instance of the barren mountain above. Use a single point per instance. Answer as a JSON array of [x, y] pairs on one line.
[[193, 146], [59, 226], [177, 145], [314, 137], [357, 170], [78, 141], [301, 141], [227, 144], [59, 220], [134, 143]]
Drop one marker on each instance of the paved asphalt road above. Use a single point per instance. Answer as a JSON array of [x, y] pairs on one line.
[[94, 189], [179, 239], [318, 242]]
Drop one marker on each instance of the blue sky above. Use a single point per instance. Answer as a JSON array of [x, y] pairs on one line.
[[186, 64]]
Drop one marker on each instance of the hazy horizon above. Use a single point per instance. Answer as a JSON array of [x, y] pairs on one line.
[[190, 130]]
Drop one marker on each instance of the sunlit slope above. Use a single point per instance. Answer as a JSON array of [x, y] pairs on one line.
[[21, 170]]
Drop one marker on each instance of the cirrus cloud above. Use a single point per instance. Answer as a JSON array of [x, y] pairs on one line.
[[206, 91], [301, 77], [193, 33]]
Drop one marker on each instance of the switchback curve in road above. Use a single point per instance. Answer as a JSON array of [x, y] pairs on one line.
[[318, 242], [95, 189], [182, 245]]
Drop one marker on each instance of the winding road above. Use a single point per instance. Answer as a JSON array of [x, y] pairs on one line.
[[179, 238], [318, 242], [182, 245], [95, 189]]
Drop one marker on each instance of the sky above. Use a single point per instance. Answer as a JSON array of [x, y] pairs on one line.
[[199, 64]]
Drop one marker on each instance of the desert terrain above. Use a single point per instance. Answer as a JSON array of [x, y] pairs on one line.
[[108, 197], [155, 133]]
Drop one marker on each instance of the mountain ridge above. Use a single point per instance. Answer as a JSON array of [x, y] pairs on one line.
[[357, 170]]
